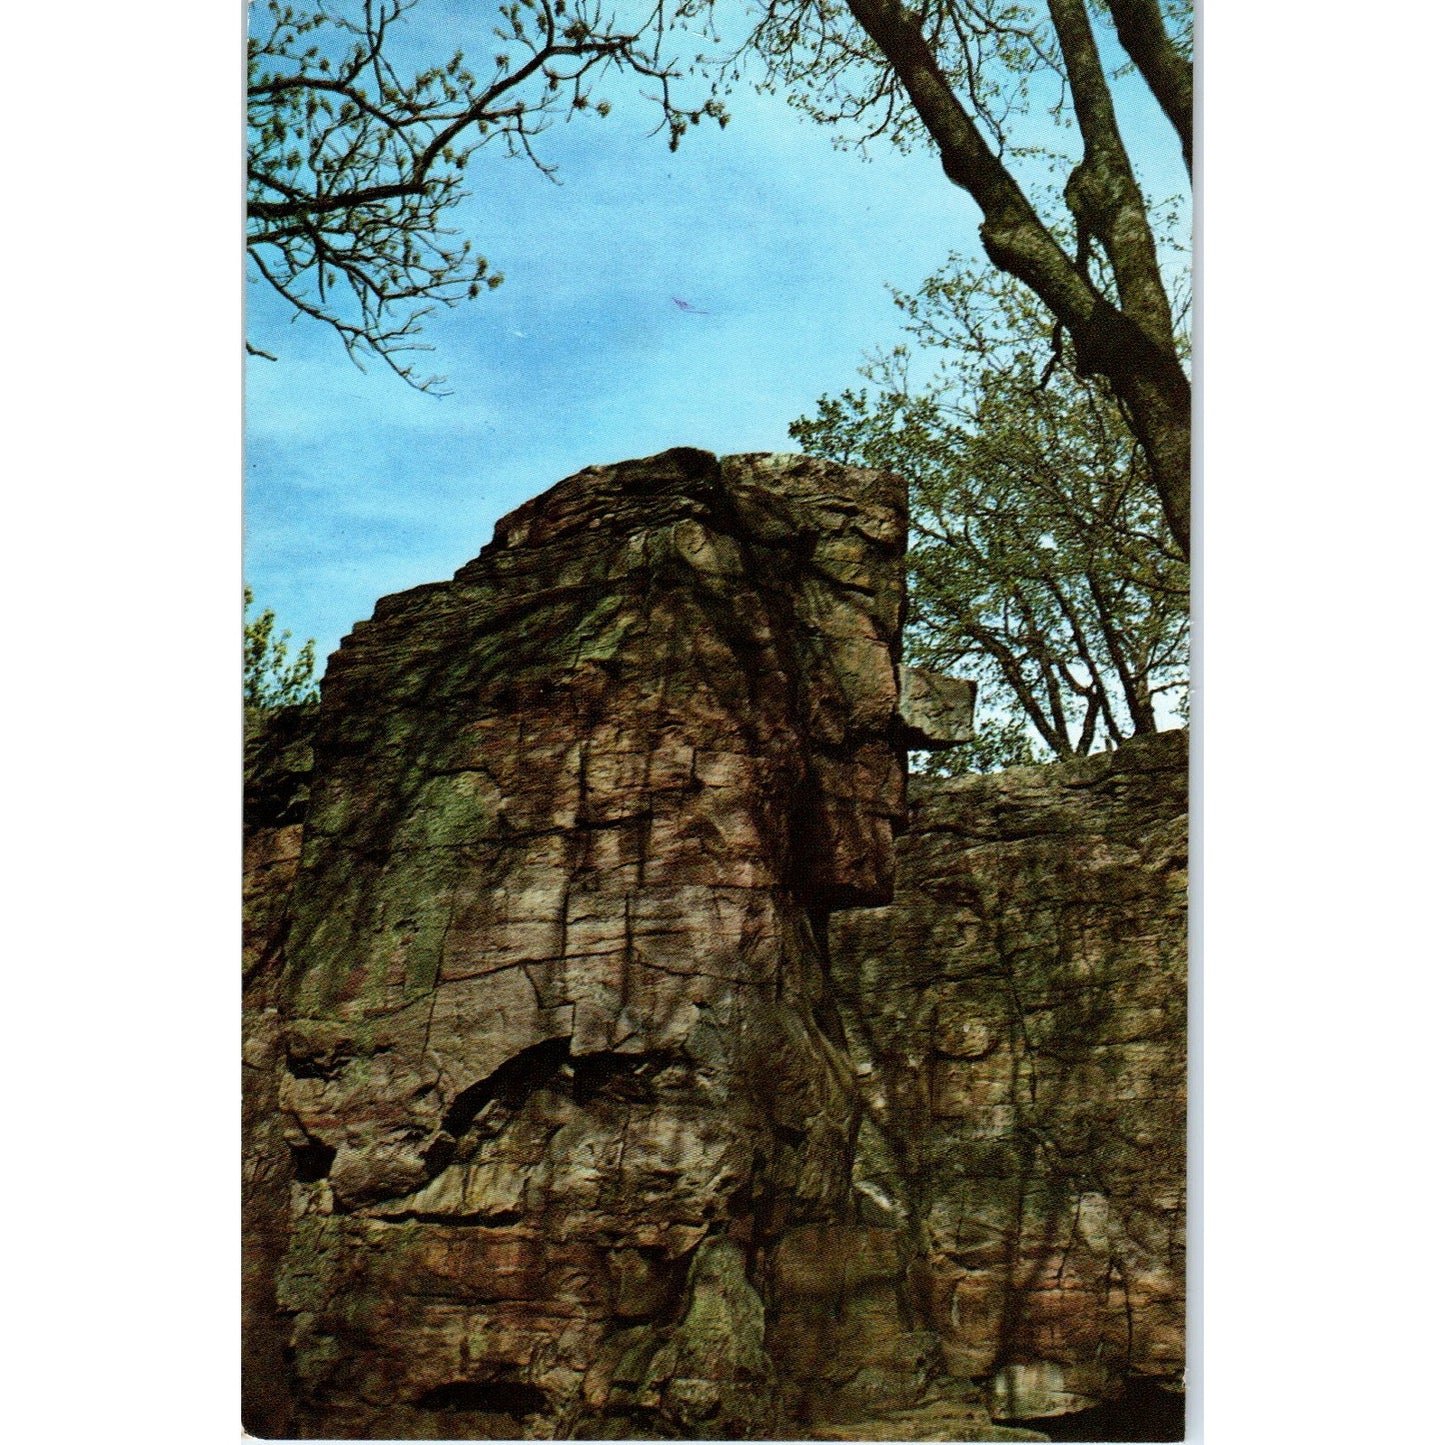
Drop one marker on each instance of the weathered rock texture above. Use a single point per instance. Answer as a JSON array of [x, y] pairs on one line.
[[567, 1111], [936, 711], [278, 771], [560, 1061], [1017, 1016]]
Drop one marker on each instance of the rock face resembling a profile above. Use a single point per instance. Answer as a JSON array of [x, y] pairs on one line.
[[582, 1014], [553, 1011]]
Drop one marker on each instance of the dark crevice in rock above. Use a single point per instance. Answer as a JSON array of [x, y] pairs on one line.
[[1145, 1411], [830, 1024], [303, 1068], [502, 1397], [627, 1078], [312, 1161], [500, 1219], [438, 1154], [523, 1074]]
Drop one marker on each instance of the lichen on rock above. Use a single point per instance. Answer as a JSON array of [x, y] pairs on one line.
[[591, 997]]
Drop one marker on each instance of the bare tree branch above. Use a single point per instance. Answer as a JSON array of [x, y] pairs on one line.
[[354, 168]]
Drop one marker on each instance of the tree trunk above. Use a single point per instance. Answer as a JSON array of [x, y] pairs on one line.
[[1129, 344]]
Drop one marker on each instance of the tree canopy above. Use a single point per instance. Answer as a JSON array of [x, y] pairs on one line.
[[1041, 564], [356, 163], [996, 86]]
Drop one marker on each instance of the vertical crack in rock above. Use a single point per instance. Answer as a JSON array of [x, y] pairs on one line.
[[549, 965], [573, 1109]]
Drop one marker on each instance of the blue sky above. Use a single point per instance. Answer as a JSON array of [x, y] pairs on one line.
[[357, 486], [1317, 830]]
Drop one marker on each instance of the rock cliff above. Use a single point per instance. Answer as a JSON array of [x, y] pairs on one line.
[[599, 1079], [1017, 1021]]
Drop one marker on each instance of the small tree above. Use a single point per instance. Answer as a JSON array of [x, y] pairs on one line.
[[1041, 563], [270, 681]]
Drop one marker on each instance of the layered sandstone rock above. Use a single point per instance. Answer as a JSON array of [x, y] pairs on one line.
[[598, 1083], [560, 1062], [1017, 1021], [278, 772]]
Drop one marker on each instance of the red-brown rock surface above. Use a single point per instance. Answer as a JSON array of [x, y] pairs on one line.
[[1017, 1019], [568, 1112], [559, 1061]]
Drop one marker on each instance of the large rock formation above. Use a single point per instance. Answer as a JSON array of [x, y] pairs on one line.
[[567, 1112], [560, 1059]]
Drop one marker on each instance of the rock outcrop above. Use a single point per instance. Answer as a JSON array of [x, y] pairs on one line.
[[599, 1083], [1017, 1019], [560, 1063], [278, 772]]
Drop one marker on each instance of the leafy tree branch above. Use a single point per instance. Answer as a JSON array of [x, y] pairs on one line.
[[995, 87], [270, 678], [1041, 562]]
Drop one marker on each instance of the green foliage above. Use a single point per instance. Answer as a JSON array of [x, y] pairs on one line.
[[1019, 99], [1041, 564], [270, 680], [1002, 58], [999, 741]]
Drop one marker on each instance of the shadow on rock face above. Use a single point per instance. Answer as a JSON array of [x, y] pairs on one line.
[[1145, 1411]]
